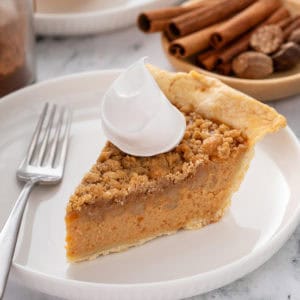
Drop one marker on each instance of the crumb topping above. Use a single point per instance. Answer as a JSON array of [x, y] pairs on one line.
[[117, 174]]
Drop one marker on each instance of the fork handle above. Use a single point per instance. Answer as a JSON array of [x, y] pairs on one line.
[[9, 234]]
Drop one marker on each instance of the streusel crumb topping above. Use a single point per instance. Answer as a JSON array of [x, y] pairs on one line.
[[117, 174]]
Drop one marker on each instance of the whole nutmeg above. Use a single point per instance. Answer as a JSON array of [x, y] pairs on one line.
[[295, 36], [267, 39], [287, 57], [252, 65]]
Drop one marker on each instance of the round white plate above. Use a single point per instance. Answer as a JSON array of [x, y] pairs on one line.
[[77, 17], [264, 212]]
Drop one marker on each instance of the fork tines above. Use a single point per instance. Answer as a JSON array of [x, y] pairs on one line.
[[48, 146]]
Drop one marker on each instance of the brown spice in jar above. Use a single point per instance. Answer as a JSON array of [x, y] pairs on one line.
[[14, 73]]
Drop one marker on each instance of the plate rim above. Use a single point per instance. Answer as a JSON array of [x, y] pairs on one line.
[[82, 15], [92, 22], [238, 268]]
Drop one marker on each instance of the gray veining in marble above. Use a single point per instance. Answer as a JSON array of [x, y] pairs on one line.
[[279, 278]]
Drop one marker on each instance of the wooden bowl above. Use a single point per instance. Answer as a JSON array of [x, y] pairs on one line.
[[277, 86]]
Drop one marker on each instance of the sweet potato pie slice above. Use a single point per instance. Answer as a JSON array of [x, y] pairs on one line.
[[125, 201]]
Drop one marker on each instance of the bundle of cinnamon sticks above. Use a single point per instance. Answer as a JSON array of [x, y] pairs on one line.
[[215, 32]]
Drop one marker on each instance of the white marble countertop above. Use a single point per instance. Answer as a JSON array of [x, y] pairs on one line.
[[277, 279]]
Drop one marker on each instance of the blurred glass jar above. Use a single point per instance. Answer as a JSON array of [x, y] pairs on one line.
[[17, 61]]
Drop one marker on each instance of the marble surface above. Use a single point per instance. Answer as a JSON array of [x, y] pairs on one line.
[[277, 279]]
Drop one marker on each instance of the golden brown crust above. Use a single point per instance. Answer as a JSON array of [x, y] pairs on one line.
[[217, 101]]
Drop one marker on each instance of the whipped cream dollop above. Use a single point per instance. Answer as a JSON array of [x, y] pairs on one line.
[[136, 115]]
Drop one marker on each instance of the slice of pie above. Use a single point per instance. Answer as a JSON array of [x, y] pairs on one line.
[[125, 201]]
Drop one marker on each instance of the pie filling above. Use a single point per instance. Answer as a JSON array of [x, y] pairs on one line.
[[125, 200]]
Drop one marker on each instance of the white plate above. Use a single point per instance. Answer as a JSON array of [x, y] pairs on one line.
[[77, 17], [263, 214]]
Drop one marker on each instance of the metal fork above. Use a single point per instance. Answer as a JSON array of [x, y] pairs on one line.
[[43, 164]]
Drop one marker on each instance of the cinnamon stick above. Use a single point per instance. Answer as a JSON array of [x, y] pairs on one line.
[[224, 69], [193, 43], [278, 16], [242, 44], [243, 21], [286, 22], [156, 26], [235, 49], [155, 20], [289, 29], [225, 55], [208, 59], [206, 54], [168, 36], [215, 11]]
